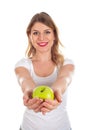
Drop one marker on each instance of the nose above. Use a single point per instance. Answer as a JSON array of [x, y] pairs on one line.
[[41, 36]]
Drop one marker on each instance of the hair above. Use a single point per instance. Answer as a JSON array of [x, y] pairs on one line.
[[44, 18]]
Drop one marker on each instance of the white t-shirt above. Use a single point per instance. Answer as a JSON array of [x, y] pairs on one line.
[[57, 119]]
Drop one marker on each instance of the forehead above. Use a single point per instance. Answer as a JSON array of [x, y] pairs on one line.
[[40, 26]]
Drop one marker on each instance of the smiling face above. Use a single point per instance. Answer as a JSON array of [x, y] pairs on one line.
[[41, 37]]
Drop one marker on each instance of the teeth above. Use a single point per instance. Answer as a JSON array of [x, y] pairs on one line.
[[42, 43]]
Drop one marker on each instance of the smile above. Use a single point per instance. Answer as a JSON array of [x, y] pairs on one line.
[[42, 44]]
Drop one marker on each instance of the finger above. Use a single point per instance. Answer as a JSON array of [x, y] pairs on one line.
[[50, 106], [38, 109], [58, 96], [34, 103], [52, 102], [25, 100], [28, 94], [44, 110]]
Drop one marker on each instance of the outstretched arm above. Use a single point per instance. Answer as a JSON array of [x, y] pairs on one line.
[[25, 80], [63, 80], [27, 85], [59, 87]]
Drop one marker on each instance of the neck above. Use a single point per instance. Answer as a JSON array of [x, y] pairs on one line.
[[42, 57]]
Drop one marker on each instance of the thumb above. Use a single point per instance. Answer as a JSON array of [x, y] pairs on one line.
[[25, 98], [58, 96]]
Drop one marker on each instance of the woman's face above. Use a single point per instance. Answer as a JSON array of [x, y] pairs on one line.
[[41, 37]]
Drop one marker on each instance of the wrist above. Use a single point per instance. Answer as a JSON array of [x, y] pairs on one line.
[[57, 88], [26, 88]]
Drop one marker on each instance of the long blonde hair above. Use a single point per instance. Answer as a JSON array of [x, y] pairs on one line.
[[44, 18]]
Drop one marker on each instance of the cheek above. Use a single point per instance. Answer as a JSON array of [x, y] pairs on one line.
[[52, 44], [34, 42], [33, 39], [52, 37], [52, 40]]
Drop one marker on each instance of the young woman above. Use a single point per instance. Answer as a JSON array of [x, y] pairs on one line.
[[44, 65]]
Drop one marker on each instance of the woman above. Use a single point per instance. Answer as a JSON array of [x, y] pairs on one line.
[[44, 65]]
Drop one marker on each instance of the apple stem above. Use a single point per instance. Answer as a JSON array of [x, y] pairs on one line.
[[42, 89]]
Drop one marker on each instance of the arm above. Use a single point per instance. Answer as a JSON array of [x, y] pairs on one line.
[[59, 87], [27, 85], [24, 79], [63, 80]]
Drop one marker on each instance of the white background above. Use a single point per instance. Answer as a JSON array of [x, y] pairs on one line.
[[71, 19]]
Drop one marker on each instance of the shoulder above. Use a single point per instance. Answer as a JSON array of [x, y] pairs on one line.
[[24, 62], [68, 61]]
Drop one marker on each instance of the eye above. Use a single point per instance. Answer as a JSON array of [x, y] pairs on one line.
[[47, 32], [35, 33]]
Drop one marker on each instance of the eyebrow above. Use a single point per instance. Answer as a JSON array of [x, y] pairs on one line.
[[44, 30]]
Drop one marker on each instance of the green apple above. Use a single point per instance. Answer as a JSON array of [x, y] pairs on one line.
[[43, 92]]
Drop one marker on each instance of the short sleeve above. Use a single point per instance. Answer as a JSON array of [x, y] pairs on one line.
[[68, 61], [24, 62]]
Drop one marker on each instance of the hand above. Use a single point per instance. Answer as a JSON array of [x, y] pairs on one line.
[[32, 103], [58, 94], [49, 105]]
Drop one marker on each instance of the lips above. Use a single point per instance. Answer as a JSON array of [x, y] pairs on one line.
[[42, 44]]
